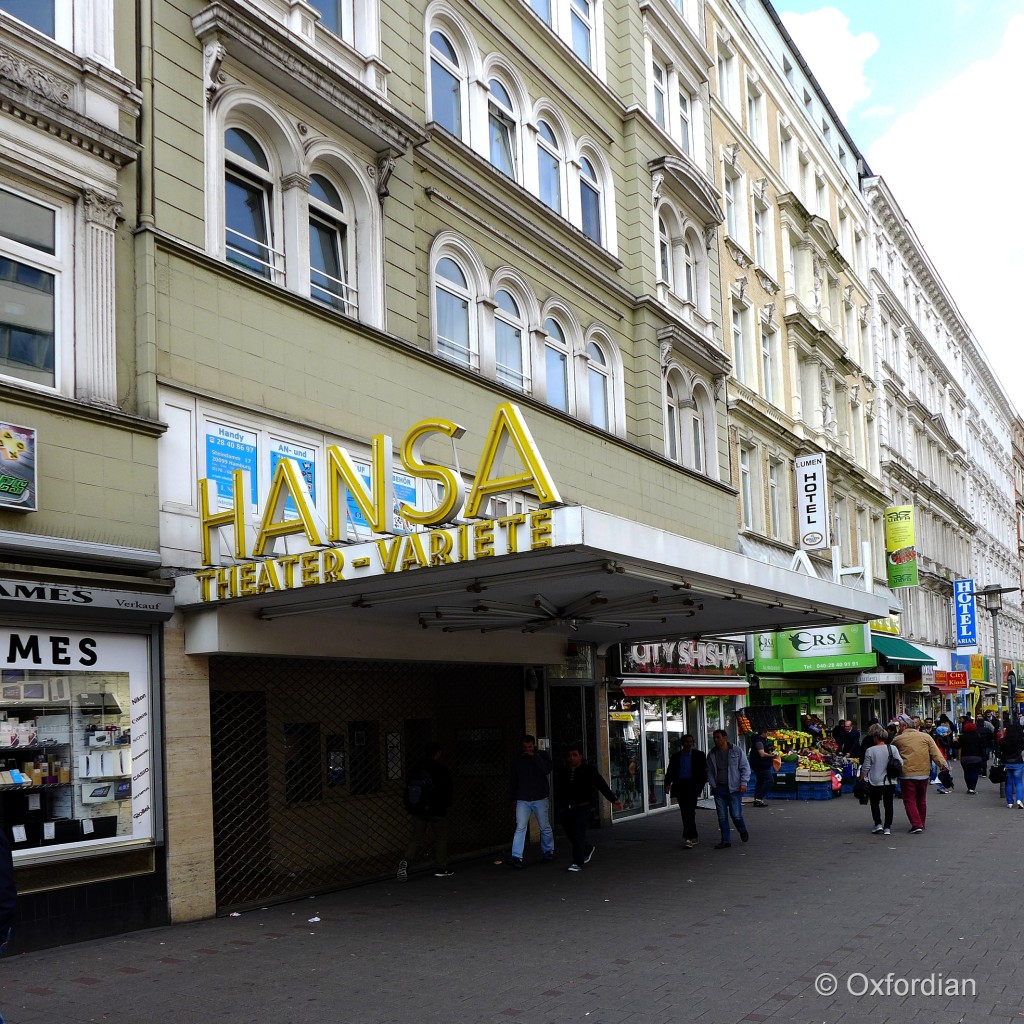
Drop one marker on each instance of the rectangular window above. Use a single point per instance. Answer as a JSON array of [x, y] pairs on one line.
[[730, 205], [774, 501], [557, 378], [738, 347], [768, 368], [697, 440], [29, 286], [759, 241], [755, 113], [658, 100], [542, 8], [331, 15], [684, 123], [40, 14], [746, 494], [582, 18]]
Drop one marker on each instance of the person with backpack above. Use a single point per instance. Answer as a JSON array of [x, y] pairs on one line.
[[575, 786], [881, 770], [428, 795]]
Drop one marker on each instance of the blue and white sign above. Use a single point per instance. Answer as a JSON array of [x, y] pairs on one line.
[[228, 449], [305, 458], [965, 619]]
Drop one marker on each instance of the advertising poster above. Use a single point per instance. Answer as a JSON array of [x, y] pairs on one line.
[[17, 467], [900, 553], [305, 458], [228, 449], [821, 649], [405, 494]]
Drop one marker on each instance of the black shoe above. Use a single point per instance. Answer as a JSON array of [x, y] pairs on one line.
[[515, 862], [590, 855], [722, 846], [547, 858], [744, 835]]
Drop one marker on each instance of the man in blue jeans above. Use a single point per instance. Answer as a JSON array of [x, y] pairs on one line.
[[530, 791], [728, 774]]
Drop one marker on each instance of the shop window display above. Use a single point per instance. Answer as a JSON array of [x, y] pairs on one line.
[[74, 747]]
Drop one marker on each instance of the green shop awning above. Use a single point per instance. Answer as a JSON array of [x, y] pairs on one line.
[[897, 651]]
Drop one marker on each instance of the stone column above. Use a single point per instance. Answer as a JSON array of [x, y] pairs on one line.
[[95, 335]]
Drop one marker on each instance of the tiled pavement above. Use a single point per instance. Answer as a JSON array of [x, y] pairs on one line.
[[649, 933]]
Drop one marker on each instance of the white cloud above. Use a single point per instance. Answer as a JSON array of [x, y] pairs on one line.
[[953, 164], [834, 54]]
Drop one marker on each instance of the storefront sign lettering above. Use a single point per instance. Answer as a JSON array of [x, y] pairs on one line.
[[289, 490], [812, 501], [683, 657], [464, 543], [32, 649]]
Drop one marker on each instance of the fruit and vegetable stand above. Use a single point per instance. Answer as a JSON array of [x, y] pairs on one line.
[[807, 771]]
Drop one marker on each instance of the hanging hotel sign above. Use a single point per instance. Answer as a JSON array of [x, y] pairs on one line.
[[823, 649], [965, 614], [290, 512], [682, 658], [812, 501], [18, 488], [900, 553]]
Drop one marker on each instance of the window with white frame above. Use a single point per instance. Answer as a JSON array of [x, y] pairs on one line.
[[549, 167], [250, 206], [454, 314], [33, 279], [556, 365], [659, 93], [502, 129], [598, 386], [591, 202], [581, 21], [725, 67], [510, 334], [664, 253], [746, 488], [446, 84], [755, 114], [38, 14], [775, 498], [740, 359], [787, 148], [735, 205], [701, 424], [760, 231], [674, 417], [542, 8], [820, 197], [329, 275], [689, 282], [769, 362], [333, 15]]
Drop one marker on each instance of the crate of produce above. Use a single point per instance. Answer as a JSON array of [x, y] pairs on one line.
[[814, 791], [788, 768], [805, 775], [782, 794]]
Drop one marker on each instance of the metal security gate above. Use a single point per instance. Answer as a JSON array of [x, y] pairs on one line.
[[310, 757]]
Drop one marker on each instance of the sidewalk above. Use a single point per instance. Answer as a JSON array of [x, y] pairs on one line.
[[649, 933]]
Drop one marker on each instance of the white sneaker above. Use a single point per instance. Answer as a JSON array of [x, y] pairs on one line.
[[876, 830], [1020, 803], [886, 832], [574, 867]]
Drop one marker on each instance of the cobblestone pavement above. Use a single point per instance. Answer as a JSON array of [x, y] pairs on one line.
[[649, 933]]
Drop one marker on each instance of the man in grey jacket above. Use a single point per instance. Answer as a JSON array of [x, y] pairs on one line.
[[728, 774]]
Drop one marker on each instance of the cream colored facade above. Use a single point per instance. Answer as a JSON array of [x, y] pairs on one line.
[[795, 293]]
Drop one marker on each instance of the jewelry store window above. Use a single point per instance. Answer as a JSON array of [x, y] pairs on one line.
[[75, 741]]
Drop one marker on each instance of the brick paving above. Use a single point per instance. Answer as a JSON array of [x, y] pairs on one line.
[[649, 933]]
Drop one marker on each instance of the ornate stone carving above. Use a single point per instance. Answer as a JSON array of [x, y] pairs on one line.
[[769, 314], [385, 168], [848, 294], [102, 210], [732, 152], [666, 351], [739, 288], [719, 386], [295, 180], [740, 258], [213, 58], [657, 180], [35, 79], [865, 312], [766, 281], [710, 234], [761, 189]]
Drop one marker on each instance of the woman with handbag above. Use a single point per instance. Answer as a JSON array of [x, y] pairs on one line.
[[972, 755], [881, 771]]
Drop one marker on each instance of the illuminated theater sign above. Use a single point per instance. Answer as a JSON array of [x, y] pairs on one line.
[[261, 570]]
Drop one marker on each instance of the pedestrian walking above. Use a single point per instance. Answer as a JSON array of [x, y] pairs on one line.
[[972, 755], [728, 773], [1011, 753], [761, 758], [919, 752], [881, 781], [685, 779], [530, 790], [428, 796], [575, 786]]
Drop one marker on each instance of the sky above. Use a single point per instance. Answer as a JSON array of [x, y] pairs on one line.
[[930, 93]]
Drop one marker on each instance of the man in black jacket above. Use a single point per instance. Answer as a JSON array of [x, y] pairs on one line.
[[431, 811], [685, 778], [528, 787], [574, 797]]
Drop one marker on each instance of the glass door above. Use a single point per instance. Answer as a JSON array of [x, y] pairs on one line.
[[654, 751], [625, 753]]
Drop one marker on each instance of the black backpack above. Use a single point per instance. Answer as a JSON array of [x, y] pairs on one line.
[[893, 768], [418, 789]]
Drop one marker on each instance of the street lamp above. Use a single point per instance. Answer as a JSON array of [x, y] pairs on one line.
[[993, 595]]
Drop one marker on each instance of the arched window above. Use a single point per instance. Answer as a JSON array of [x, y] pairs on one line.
[[509, 335], [664, 253], [446, 77], [689, 272], [556, 365], [549, 167], [590, 201], [702, 425], [453, 301], [329, 280], [248, 205], [501, 121], [597, 386], [673, 418]]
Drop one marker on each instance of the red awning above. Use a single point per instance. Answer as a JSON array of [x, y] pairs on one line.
[[945, 688], [684, 690]]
